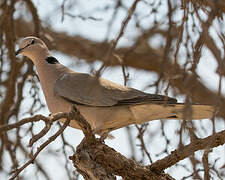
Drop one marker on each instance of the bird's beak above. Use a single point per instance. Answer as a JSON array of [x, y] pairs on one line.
[[21, 49], [18, 51]]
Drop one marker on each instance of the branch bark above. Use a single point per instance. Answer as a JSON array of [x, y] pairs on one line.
[[95, 160], [98, 161]]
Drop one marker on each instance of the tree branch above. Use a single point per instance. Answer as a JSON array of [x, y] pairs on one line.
[[39, 149], [95, 160], [212, 141], [98, 161], [35, 118]]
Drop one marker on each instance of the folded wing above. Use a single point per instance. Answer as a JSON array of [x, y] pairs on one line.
[[85, 89]]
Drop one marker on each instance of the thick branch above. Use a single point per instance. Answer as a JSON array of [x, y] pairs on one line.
[[98, 161], [95, 160]]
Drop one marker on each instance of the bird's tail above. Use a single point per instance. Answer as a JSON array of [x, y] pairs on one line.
[[147, 112], [104, 119], [196, 111]]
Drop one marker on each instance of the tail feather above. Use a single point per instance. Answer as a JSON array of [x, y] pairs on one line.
[[148, 112], [198, 111], [105, 119]]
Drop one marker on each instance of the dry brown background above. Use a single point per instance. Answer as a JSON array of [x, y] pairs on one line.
[[161, 46]]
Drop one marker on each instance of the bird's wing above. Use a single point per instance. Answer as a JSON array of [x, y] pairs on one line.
[[80, 88]]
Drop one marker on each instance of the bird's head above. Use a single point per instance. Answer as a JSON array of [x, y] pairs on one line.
[[32, 47]]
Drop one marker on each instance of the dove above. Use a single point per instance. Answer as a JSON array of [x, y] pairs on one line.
[[104, 104]]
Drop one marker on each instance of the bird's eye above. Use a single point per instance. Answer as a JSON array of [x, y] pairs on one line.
[[32, 42]]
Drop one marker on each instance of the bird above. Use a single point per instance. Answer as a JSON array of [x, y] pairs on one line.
[[104, 104]]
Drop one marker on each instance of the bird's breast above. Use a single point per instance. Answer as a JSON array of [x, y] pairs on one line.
[[48, 76]]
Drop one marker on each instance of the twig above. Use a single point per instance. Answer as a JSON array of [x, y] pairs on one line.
[[74, 114], [36, 20], [22, 122], [40, 134], [65, 143], [206, 164], [35, 118], [214, 140], [39, 149], [141, 131], [114, 43]]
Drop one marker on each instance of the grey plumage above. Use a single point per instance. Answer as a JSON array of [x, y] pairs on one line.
[[89, 90], [105, 105]]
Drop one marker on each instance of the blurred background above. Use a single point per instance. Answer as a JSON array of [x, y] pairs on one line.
[[168, 47]]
